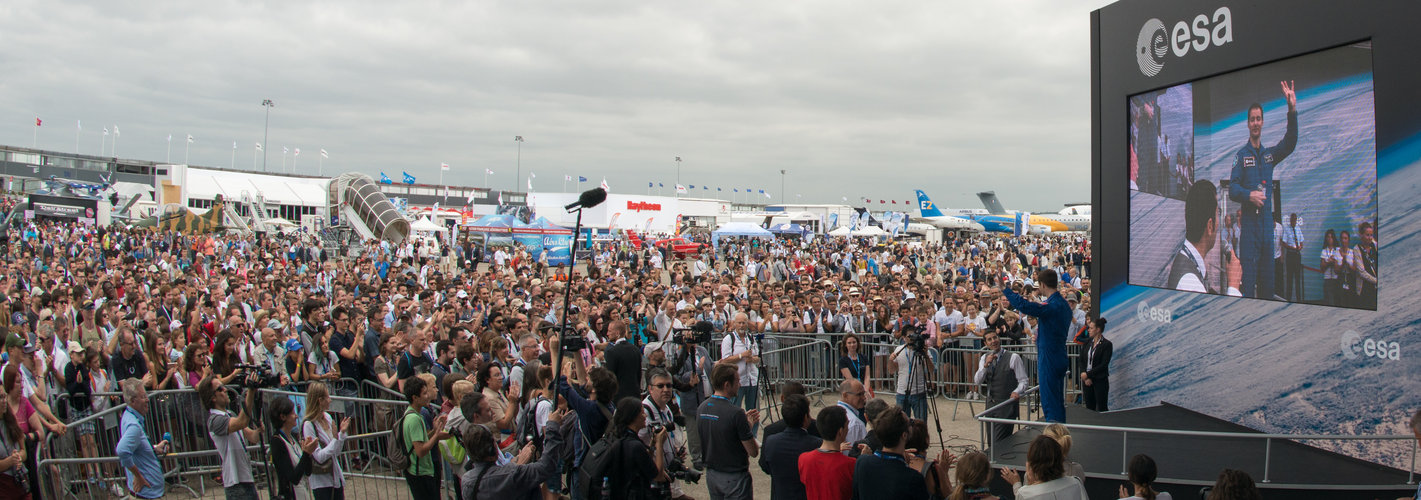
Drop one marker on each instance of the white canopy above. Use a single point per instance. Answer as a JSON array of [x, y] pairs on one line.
[[840, 231], [870, 232], [739, 229], [427, 226]]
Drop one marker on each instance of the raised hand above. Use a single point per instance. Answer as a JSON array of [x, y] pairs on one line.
[[1290, 93]]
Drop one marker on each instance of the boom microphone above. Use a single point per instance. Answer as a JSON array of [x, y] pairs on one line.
[[588, 199]]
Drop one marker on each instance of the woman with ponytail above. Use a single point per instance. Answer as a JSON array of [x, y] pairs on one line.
[[974, 471], [1142, 474]]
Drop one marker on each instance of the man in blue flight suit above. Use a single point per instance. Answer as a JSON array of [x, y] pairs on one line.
[[1252, 175], [1054, 317]]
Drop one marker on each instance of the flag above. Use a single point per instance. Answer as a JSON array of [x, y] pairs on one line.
[[470, 199], [532, 175], [446, 194], [880, 202], [680, 189], [170, 138], [385, 179], [38, 122], [660, 185], [189, 138], [651, 184], [604, 185], [285, 150], [79, 124], [705, 187], [444, 167], [259, 147], [115, 130], [846, 198], [735, 190], [409, 179], [581, 179], [767, 195], [566, 177], [692, 186], [324, 154], [234, 145], [717, 189], [298, 152], [530, 183], [893, 202], [500, 198], [488, 172], [106, 131]]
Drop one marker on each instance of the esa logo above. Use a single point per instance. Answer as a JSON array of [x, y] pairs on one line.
[[1353, 345], [1155, 41], [1147, 314]]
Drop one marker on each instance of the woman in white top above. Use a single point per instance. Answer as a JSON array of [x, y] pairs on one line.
[[1329, 263], [1142, 473], [1045, 473], [327, 479]]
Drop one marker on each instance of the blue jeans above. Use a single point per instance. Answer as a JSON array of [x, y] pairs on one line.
[[748, 397], [916, 405]]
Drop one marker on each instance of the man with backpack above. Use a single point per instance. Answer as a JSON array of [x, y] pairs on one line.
[[593, 412], [412, 445]]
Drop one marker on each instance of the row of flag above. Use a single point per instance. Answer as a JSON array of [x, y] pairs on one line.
[[79, 124]]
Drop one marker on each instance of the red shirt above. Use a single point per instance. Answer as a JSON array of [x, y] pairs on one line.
[[826, 476]]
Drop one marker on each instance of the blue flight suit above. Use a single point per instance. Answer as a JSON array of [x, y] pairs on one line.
[[1054, 324], [1253, 169]]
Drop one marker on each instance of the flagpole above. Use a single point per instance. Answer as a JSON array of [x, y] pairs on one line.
[[564, 183], [283, 160], [169, 158], [233, 164], [113, 148], [78, 127], [254, 157], [103, 139], [187, 149], [34, 143], [320, 164]]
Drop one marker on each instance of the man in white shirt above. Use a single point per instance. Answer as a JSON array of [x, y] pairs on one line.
[[1188, 271], [739, 348]]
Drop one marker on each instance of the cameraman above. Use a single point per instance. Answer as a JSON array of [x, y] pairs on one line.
[[518, 480], [636, 466], [692, 383], [230, 435], [660, 391], [739, 349], [913, 368]]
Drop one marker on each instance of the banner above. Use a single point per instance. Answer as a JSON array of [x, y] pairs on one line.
[[63, 207]]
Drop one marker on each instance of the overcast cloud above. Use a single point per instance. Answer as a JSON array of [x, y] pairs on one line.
[[855, 99]]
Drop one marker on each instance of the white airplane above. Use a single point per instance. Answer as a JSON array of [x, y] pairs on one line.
[[931, 215], [1042, 223]]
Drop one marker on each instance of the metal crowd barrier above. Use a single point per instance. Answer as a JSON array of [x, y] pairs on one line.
[[193, 465]]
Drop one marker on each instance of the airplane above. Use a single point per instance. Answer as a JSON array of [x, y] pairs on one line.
[[57, 186], [983, 221], [1040, 223], [930, 214], [178, 218]]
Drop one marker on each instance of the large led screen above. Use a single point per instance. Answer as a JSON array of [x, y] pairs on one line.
[[1259, 183]]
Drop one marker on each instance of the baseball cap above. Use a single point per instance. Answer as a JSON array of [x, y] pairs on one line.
[[275, 324], [293, 345], [462, 294], [75, 347], [14, 340]]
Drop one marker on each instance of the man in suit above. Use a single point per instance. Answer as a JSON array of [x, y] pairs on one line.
[[623, 359], [781, 456], [1004, 374], [1096, 377]]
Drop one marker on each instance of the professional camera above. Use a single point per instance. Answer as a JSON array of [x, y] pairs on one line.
[[914, 337], [258, 376], [700, 333], [676, 469]]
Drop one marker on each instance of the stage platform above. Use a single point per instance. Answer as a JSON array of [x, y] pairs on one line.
[[1187, 463]]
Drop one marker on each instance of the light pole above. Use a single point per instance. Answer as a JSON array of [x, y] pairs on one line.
[[266, 103], [519, 173], [678, 176], [782, 184]]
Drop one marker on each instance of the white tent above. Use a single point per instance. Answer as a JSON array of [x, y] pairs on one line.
[[840, 231], [739, 229], [869, 232], [427, 226]]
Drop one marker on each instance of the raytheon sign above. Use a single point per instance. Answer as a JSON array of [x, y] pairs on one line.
[[1156, 42]]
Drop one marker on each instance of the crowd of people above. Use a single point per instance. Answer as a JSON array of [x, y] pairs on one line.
[[470, 338]]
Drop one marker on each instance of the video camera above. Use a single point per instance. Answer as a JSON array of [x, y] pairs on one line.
[[701, 333], [914, 337], [258, 376]]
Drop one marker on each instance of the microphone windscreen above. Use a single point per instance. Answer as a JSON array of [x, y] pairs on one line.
[[592, 198]]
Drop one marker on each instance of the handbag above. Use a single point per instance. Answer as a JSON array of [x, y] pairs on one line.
[[316, 466]]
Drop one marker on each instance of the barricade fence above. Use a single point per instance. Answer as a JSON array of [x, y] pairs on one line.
[[813, 360], [82, 463]]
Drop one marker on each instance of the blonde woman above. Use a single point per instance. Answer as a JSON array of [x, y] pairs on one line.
[[327, 479], [1062, 435]]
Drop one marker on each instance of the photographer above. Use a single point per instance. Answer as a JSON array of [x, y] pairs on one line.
[[661, 414], [739, 348], [520, 479], [230, 435]]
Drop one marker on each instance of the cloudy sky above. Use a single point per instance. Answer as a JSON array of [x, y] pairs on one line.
[[854, 99]]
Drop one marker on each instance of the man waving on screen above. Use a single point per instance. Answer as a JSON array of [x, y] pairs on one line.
[[1250, 187]]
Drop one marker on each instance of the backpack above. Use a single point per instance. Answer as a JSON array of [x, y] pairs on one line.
[[398, 450], [597, 464], [528, 424]]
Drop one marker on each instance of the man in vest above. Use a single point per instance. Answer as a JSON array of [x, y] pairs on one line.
[[1188, 271], [1004, 375]]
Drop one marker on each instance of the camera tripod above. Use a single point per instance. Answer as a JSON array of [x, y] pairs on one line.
[[923, 364]]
